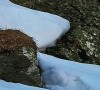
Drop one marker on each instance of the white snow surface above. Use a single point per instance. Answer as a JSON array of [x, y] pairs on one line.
[[45, 28], [60, 74], [16, 86]]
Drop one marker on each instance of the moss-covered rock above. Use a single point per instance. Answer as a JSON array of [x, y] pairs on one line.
[[18, 58], [82, 43]]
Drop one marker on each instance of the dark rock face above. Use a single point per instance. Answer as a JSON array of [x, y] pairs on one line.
[[15, 67], [19, 64], [82, 43]]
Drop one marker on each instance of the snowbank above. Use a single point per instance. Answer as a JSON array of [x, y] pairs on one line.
[[58, 74], [45, 28], [16, 86], [61, 74]]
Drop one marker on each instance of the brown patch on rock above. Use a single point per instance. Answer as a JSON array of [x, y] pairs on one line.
[[18, 58], [14, 39]]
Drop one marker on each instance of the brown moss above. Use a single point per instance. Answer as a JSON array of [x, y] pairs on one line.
[[14, 39]]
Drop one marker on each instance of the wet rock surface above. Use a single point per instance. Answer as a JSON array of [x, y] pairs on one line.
[[82, 42]]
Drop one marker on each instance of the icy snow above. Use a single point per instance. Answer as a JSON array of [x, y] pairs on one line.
[[45, 28], [16, 86], [60, 74]]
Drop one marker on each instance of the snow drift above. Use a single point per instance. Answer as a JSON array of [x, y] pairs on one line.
[[45, 28], [60, 74], [16, 86]]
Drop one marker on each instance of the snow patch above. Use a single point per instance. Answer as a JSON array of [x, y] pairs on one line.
[[67, 75], [16, 86], [45, 28], [61, 80]]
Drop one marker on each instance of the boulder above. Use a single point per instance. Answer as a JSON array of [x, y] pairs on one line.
[[18, 58]]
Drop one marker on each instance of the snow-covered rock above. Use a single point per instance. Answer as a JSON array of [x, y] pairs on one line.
[[45, 28], [60, 74]]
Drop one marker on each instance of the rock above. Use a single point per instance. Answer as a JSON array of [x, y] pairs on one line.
[[82, 42], [18, 58]]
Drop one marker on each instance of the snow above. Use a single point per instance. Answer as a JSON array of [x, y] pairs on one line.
[[56, 79], [60, 74], [16, 86], [45, 28]]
